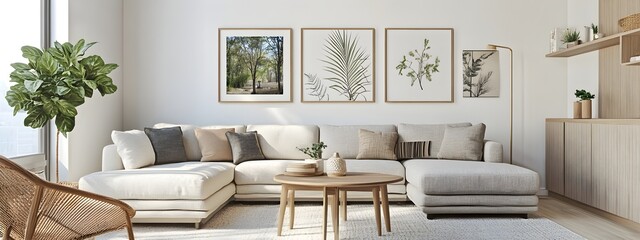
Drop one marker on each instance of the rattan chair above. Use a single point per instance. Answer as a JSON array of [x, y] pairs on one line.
[[31, 208]]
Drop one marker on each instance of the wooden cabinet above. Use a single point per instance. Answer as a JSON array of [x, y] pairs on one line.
[[596, 162], [554, 155], [577, 161]]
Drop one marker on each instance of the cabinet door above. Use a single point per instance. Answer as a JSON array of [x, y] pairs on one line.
[[577, 157], [554, 156], [616, 158]]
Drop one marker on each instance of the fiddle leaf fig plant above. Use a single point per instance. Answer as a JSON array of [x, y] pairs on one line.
[[55, 81]]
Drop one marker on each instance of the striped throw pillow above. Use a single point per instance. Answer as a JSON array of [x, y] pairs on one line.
[[410, 150]]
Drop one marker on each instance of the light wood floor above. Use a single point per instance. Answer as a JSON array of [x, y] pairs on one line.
[[586, 222]]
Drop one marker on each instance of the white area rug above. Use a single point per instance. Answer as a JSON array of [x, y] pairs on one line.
[[252, 221]]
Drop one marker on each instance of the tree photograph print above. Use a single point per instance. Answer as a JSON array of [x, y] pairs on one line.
[[337, 65], [418, 64], [255, 65], [481, 75]]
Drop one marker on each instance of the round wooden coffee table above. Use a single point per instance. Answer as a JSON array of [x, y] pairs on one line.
[[334, 188]]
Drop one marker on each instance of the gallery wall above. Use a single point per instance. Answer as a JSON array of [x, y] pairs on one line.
[[170, 64]]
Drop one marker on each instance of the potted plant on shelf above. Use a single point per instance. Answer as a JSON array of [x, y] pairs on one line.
[[54, 82], [585, 103], [571, 38], [596, 34], [315, 154]]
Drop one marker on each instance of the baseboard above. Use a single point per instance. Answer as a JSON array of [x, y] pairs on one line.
[[543, 192]]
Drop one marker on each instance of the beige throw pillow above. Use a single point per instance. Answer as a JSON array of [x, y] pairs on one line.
[[214, 144], [463, 143], [377, 145]]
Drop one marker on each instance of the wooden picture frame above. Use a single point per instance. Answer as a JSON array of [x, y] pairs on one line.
[[480, 73], [419, 65], [268, 79], [321, 73]]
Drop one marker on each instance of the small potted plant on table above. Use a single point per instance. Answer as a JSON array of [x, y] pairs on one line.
[[315, 154]]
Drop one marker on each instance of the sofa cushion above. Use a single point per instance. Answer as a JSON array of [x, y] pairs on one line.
[[420, 199], [245, 146], [185, 180], [262, 172], [452, 177], [344, 139], [280, 141], [134, 148], [464, 143], [189, 136], [167, 144], [425, 132], [377, 145], [214, 145]]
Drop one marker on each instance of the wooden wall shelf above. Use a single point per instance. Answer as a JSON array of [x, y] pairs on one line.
[[629, 41], [587, 47]]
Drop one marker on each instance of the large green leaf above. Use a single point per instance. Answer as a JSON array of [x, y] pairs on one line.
[[67, 108], [32, 86], [91, 84], [65, 124], [47, 65], [50, 108], [107, 68], [31, 53], [20, 66], [62, 90], [36, 118]]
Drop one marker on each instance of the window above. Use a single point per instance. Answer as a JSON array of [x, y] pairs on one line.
[[20, 24]]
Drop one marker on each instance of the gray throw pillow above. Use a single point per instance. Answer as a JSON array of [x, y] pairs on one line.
[[167, 144], [245, 146], [463, 143]]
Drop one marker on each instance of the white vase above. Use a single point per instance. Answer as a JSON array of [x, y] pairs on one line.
[[335, 166], [319, 164]]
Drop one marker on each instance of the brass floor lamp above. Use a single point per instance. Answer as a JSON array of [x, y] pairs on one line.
[[495, 47]]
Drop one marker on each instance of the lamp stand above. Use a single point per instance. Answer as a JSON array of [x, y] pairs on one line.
[[495, 47]]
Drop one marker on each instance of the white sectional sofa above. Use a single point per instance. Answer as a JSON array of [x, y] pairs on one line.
[[191, 192]]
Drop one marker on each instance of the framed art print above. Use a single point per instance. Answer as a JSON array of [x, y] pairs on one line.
[[419, 65], [254, 65], [480, 73], [338, 65]]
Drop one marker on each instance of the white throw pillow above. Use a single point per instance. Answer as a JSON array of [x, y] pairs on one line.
[[134, 148]]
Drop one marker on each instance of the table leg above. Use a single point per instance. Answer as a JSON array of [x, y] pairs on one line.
[[376, 208], [292, 210], [343, 204], [283, 206], [334, 214], [324, 213], [385, 206]]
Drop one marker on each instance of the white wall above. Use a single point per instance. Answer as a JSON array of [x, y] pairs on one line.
[[170, 59], [95, 21], [582, 70]]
